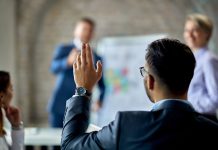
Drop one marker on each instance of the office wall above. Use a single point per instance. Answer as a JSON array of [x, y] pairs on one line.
[[7, 39], [7, 35]]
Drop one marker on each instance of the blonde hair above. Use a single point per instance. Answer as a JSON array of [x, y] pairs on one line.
[[202, 21]]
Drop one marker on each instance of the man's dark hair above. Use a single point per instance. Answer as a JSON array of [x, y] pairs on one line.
[[89, 21], [172, 62]]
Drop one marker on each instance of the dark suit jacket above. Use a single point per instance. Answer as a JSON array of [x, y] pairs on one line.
[[173, 125], [65, 84]]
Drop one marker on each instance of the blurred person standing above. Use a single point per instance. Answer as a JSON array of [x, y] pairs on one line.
[[62, 67], [203, 91], [12, 114]]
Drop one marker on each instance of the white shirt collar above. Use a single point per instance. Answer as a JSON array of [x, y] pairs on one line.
[[77, 42]]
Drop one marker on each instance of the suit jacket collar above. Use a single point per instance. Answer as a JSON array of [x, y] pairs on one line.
[[173, 104]]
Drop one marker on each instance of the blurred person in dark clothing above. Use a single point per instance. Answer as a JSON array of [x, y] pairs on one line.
[[62, 67]]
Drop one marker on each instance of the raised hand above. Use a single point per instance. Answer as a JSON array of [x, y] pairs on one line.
[[85, 74], [13, 115]]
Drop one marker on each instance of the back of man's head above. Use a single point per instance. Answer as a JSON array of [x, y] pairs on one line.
[[172, 62]]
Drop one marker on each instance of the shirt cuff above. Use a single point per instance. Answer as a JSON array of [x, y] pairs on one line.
[[17, 137], [76, 98]]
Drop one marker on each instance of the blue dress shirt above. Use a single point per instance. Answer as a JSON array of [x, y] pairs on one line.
[[159, 103], [203, 90]]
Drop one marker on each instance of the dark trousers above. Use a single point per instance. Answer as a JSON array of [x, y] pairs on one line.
[[56, 120]]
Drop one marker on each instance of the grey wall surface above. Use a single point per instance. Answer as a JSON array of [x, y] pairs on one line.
[[7, 35]]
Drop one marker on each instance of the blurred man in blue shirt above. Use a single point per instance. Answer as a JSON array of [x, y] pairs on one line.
[[62, 67], [203, 91]]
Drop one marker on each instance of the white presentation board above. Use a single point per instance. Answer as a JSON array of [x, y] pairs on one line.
[[122, 57]]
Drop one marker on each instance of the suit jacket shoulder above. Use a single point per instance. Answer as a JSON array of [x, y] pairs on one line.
[[134, 116]]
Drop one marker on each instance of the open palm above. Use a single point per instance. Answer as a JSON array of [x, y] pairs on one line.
[[85, 74]]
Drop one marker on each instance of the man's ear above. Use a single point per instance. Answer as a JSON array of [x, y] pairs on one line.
[[150, 82]]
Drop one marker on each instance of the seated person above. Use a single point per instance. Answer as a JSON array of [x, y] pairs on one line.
[[172, 124], [12, 114]]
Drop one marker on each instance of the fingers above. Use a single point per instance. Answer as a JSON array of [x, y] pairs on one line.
[[74, 67], [7, 109], [89, 55], [99, 69], [83, 55], [79, 60], [85, 58], [86, 55], [77, 63], [11, 109]]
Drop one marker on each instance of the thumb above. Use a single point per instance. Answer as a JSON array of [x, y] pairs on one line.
[[99, 69]]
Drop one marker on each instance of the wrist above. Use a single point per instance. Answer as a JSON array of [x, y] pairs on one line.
[[88, 89], [82, 91], [17, 126]]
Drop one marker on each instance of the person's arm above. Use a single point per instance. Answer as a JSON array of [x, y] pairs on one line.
[[101, 86], [208, 100], [17, 136], [77, 110], [59, 61], [76, 123], [17, 133]]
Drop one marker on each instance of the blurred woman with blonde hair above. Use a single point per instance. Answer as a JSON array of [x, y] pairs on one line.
[[204, 86]]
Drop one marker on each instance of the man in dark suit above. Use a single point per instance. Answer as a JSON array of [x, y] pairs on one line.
[[62, 67], [172, 124]]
